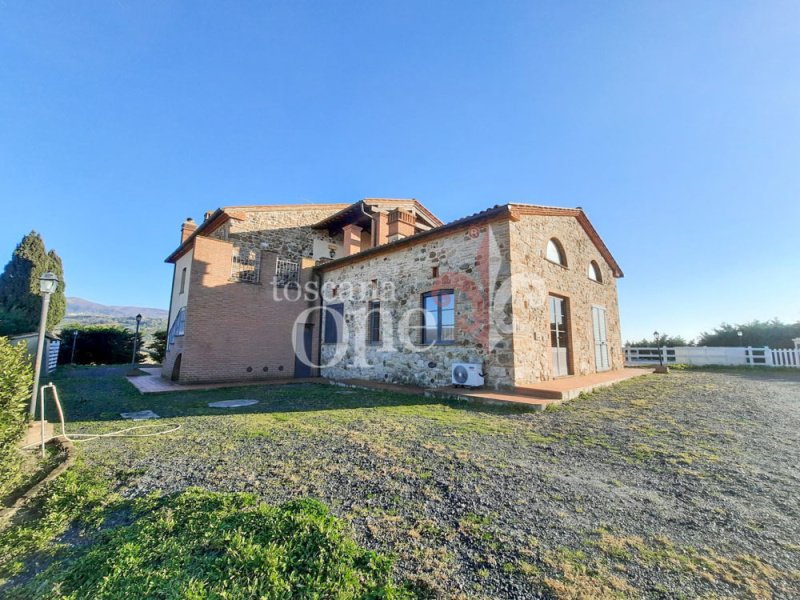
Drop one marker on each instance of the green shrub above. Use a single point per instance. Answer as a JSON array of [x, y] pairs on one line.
[[16, 379], [200, 544], [99, 345], [158, 345]]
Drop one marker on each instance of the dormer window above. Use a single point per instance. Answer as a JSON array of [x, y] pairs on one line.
[[555, 252], [594, 272]]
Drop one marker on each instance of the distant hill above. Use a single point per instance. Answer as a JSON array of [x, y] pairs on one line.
[[79, 306], [85, 312]]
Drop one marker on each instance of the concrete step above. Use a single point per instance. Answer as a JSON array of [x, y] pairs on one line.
[[539, 392]]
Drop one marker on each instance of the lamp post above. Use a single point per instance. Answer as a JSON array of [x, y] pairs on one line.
[[136, 340], [74, 343], [48, 283], [661, 338], [658, 347], [740, 334]]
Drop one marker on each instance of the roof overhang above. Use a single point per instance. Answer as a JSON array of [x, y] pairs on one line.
[[483, 216], [506, 211], [363, 208]]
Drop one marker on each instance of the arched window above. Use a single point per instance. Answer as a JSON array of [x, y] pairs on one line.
[[594, 272], [555, 252]]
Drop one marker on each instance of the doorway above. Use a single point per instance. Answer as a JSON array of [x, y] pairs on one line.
[[302, 357], [559, 336], [176, 368]]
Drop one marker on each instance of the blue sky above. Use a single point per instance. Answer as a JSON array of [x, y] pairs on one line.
[[676, 125]]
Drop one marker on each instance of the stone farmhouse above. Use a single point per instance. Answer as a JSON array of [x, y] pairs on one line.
[[382, 290]]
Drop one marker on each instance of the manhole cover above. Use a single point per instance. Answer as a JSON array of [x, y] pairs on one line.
[[232, 403], [140, 415]]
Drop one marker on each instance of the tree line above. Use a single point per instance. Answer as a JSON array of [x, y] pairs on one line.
[[773, 333]]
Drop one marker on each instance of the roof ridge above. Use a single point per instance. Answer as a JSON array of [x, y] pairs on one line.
[[286, 206]]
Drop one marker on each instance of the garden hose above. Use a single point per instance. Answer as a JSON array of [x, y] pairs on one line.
[[86, 437]]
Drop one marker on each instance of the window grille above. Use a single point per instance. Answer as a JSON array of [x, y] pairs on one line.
[[287, 272], [246, 265]]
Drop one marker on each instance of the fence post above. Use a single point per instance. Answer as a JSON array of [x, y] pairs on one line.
[[768, 357]]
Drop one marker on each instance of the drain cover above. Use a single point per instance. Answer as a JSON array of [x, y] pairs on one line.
[[140, 415], [232, 403]]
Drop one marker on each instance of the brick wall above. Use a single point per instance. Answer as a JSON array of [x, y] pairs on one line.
[[236, 331]]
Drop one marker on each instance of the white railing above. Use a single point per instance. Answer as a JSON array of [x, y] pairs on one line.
[[710, 355], [785, 357]]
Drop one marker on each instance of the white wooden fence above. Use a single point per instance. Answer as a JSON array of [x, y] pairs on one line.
[[51, 359], [706, 355]]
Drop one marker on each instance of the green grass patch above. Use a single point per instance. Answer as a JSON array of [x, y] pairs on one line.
[[200, 544]]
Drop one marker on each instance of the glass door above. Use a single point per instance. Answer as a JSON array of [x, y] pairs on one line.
[[559, 336]]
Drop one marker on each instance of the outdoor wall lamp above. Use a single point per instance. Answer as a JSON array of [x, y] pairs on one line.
[[48, 283]]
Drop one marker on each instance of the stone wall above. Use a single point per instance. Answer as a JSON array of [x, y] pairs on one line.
[[285, 230], [473, 261], [534, 278]]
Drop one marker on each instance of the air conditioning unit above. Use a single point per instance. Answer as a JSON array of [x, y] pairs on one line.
[[467, 374]]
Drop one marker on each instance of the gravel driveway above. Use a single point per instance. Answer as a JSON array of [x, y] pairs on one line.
[[681, 485]]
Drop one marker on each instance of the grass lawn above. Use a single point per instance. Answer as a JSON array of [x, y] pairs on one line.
[[682, 485]]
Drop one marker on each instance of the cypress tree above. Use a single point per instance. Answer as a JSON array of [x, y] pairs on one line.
[[20, 299]]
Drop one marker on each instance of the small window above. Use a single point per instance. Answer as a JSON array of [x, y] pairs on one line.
[[374, 323], [178, 326], [594, 272], [439, 321], [334, 323], [555, 252], [246, 265], [183, 280], [435, 272]]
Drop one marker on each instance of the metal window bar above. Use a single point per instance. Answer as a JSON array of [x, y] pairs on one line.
[[246, 266], [287, 272]]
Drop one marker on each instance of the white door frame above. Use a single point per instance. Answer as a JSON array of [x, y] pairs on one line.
[[560, 354]]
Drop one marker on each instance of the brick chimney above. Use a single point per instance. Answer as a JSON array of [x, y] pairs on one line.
[[187, 228], [401, 224]]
